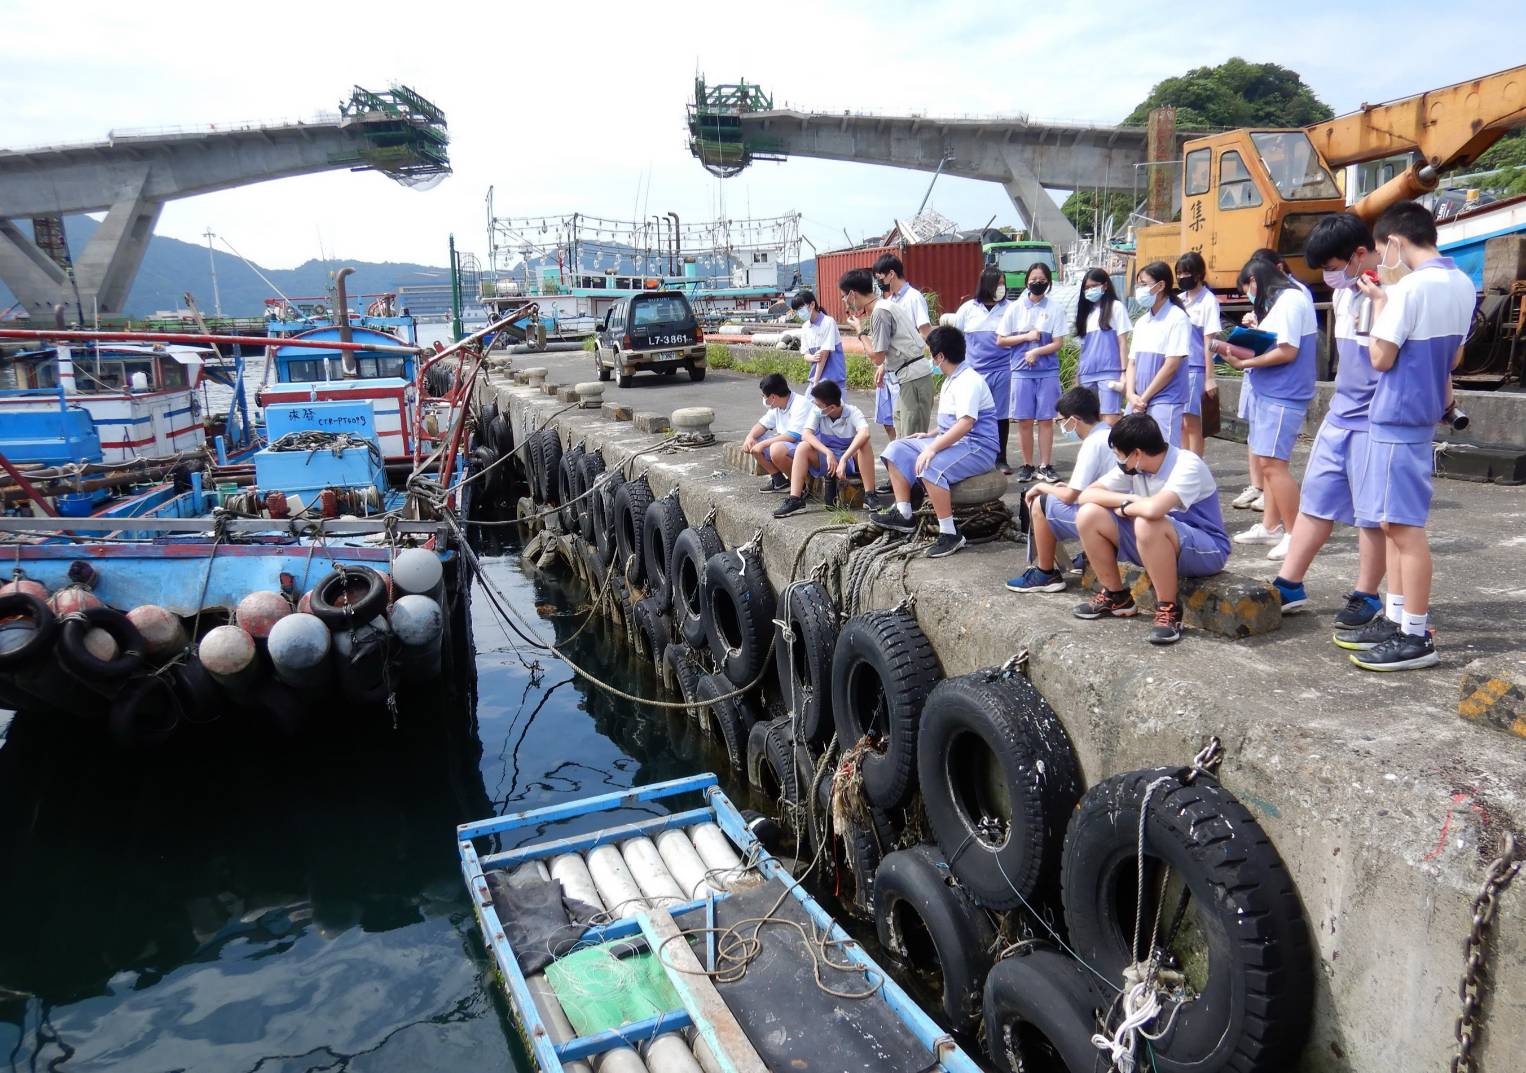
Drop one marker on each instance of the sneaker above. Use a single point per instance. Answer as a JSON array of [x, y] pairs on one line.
[[790, 505], [1047, 473], [885, 489], [946, 544], [1001, 464], [1246, 498], [1368, 637], [1360, 609], [777, 483], [1025, 474], [1259, 503], [1402, 652], [890, 518], [1292, 595], [1036, 579], [875, 501], [1078, 564], [829, 491], [1259, 534], [1167, 629], [1279, 550], [1107, 605]]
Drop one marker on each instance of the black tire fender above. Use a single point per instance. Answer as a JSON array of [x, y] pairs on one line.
[[651, 630], [681, 673], [146, 713], [568, 471], [629, 508], [1252, 1008], [729, 719], [918, 904], [691, 551], [1041, 1008], [738, 610], [349, 596], [17, 605], [804, 664], [593, 468], [77, 660], [990, 748], [882, 671], [201, 698], [604, 515], [550, 464], [663, 522]]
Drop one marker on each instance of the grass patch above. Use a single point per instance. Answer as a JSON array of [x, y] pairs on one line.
[[590, 344], [842, 516], [792, 365]]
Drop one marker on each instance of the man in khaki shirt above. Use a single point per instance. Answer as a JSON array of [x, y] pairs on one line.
[[896, 347]]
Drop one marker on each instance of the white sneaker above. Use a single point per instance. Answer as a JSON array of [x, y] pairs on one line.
[[1247, 497], [1259, 504], [1280, 549], [1260, 534]]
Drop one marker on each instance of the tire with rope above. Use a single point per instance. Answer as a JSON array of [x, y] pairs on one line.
[[651, 630], [803, 657], [533, 463], [1041, 1007], [660, 527], [629, 507], [76, 657], [146, 713], [728, 718], [17, 608], [549, 465], [738, 607], [691, 551], [602, 503], [681, 671], [349, 596], [854, 853], [593, 469], [568, 474]]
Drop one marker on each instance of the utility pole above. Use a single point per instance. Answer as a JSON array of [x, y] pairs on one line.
[[217, 301], [455, 293]]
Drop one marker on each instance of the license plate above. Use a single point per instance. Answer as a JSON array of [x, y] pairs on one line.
[[665, 355]]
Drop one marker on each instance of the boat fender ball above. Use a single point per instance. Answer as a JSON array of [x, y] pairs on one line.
[[226, 650], [67, 601], [82, 573], [417, 621], [259, 611], [299, 642], [305, 603], [101, 645], [163, 632], [26, 586], [417, 570]]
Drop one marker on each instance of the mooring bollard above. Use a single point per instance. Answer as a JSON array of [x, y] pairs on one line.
[[535, 377], [692, 422], [590, 394]]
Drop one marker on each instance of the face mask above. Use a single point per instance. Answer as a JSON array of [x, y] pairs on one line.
[[802, 314], [1068, 430], [1001, 294], [1130, 470], [1144, 294], [1251, 295], [1384, 266], [1093, 294], [1038, 287], [1338, 280], [1186, 283]]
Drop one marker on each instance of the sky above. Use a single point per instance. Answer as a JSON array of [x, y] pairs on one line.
[[576, 107]]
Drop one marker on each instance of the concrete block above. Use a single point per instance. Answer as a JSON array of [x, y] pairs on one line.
[[548, 388], [1230, 605], [1493, 694], [981, 488], [738, 459], [646, 421], [1500, 463], [519, 377], [615, 411], [566, 393]]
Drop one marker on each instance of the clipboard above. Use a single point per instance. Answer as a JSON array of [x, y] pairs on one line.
[[1252, 339]]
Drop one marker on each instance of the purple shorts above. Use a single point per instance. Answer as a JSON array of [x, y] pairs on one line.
[[954, 463], [884, 403], [1168, 415], [1274, 426], [1195, 391], [1395, 483], [836, 444], [1198, 556], [1033, 398], [1061, 519], [1111, 401], [1333, 475]]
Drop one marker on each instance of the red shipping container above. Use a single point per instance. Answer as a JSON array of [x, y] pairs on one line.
[[951, 270]]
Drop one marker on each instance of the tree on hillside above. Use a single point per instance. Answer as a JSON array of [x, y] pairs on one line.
[[1236, 93], [1506, 158]]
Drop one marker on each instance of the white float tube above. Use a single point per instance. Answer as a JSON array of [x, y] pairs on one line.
[[716, 851], [229, 655], [620, 1060], [621, 894], [702, 1052], [684, 863], [529, 873], [570, 871], [669, 1053], [299, 650], [555, 1018], [651, 873], [420, 627]]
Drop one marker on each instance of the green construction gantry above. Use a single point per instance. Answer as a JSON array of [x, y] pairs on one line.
[[715, 127]]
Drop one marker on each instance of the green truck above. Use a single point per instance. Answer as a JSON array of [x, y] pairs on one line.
[[1014, 258]]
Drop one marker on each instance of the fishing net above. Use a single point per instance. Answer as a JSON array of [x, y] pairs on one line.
[[601, 989]]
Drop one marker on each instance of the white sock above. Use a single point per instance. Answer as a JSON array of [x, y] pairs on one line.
[[1393, 608], [1414, 625], [904, 508], [946, 525]]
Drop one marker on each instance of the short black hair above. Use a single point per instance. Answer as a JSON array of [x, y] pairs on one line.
[[1270, 280], [1137, 432], [857, 280], [828, 392], [1080, 402], [947, 341], [774, 384], [1336, 236], [990, 279], [889, 262], [1192, 264], [1409, 220], [803, 298]]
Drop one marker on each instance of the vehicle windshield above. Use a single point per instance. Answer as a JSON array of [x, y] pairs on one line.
[[1022, 260], [1295, 168], [659, 309]]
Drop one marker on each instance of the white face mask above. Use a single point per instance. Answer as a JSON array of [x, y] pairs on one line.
[[1001, 293], [1068, 430], [1383, 265], [803, 313], [1094, 294], [1144, 294]]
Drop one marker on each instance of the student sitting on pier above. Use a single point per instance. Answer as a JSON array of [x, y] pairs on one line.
[[1160, 510], [1052, 507], [820, 342], [778, 430], [965, 445], [834, 445]]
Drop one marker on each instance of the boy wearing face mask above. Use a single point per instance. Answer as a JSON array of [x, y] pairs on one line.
[[890, 280], [896, 348], [1032, 327], [820, 342], [1419, 325]]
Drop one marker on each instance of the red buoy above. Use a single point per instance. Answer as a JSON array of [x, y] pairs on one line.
[[163, 633], [27, 586], [259, 611], [71, 599]]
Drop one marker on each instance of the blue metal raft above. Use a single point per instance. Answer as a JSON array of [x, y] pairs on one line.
[[670, 881]]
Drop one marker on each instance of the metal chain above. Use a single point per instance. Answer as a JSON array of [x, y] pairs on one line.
[[1206, 762], [1475, 950]]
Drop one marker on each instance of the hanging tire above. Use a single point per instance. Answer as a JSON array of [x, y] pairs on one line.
[[533, 464], [43, 634], [146, 713], [499, 435], [729, 719], [651, 630], [1041, 1009], [999, 782], [927, 919], [604, 517], [691, 551], [663, 522], [854, 854], [78, 660], [349, 596], [201, 698], [550, 465], [739, 613], [1247, 952], [489, 486], [882, 669], [568, 471], [804, 663], [681, 672], [629, 507], [593, 468]]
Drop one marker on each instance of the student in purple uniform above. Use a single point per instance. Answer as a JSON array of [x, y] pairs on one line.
[[1418, 328], [1252, 498], [1283, 381], [820, 342], [1158, 509], [834, 444], [1202, 308], [1341, 245], [980, 320], [1156, 376], [1102, 329], [771, 441], [1032, 327]]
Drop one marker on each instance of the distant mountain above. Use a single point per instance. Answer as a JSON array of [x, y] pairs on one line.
[[171, 268]]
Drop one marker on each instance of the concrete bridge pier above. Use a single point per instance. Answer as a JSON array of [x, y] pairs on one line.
[[1034, 203]]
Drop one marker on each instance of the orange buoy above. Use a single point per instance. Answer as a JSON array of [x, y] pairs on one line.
[[27, 586], [259, 611]]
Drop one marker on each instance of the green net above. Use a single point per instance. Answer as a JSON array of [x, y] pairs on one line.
[[600, 990]]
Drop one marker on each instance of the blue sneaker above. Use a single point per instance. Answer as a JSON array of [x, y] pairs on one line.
[[1292, 595], [1078, 564], [1361, 608], [1036, 580]]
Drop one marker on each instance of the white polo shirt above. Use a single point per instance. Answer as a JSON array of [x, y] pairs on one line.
[[1095, 460], [790, 420], [847, 424]]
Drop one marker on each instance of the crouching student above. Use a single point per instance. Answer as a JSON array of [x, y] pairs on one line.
[[820, 342], [1052, 507], [1159, 509], [770, 441], [964, 445], [834, 444]]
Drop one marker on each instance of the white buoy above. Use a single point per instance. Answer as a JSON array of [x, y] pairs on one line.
[[101, 645], [229, 655], [621, 894], [258, 613], [621, 1060], [669, 1053], [163, 632], [420, 627], [555, 1018], [572, 873], [417, 571], [684, 863], [716, 851], [651, 873], [299, 650]]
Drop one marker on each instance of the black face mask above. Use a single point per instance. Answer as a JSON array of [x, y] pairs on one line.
[[1038, 286], [1130, 470], [1186, 283]]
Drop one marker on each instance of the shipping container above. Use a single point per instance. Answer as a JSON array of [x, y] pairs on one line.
[[950, 270]]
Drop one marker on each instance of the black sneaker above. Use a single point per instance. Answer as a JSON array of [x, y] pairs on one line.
[[777, 483], [1025, 474], [891, 519], [946, 544], [1168, 624], [1047, 473], [1368, 637], [829, 491], [790, 505], [1108, 605], [885, 489], [1360, 609], [876, 501], [1402, 652]]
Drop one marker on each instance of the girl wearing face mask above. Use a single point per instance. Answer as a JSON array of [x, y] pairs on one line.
[[1032, 327], [1102, 328], [980, 319], [1203, 310], [1156, 376]]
